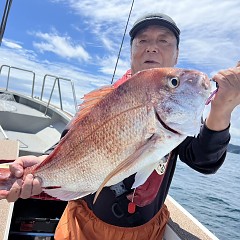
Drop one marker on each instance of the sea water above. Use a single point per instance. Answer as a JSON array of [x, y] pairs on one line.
[[213, 199]]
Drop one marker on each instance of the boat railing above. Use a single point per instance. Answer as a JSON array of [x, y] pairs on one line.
[[57, 81], [21, 69]]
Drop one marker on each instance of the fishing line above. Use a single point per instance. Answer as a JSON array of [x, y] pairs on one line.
[[122, 41], [213, 93]]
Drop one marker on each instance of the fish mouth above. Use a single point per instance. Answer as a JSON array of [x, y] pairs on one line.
[[165, 125]]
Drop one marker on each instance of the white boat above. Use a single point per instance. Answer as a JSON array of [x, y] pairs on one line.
[[30, 125], [34, 123]]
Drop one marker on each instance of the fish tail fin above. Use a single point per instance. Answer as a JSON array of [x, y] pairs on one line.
[[6, 182]]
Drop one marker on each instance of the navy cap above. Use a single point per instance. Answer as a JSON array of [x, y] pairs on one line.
[[155, 19]]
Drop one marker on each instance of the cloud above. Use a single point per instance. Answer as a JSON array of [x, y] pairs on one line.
[[107, 66], [209, 37], [99, 11], [11, 44], [63, 46]]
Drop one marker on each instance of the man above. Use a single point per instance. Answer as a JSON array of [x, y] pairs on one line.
[[154, 43]]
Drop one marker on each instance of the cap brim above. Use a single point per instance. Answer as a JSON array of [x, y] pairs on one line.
[[148, 22]]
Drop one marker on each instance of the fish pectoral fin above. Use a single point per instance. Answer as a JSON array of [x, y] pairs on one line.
[[142, 176], [127, 163], [65, 195]]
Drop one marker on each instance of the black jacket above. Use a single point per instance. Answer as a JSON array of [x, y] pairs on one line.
[[204, 153]]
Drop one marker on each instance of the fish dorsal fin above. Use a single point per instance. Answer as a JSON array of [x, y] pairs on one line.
[[93, 97], [89, 101], [126, 164]]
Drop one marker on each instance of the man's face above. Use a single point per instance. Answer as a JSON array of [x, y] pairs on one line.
[[153, 47]]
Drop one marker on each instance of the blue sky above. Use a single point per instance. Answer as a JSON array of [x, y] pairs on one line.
[[80, 39]]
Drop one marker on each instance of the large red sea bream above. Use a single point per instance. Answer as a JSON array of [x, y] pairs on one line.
[[122, 131]]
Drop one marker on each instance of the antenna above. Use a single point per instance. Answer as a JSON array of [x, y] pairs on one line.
[[4, 18], [122, 41]]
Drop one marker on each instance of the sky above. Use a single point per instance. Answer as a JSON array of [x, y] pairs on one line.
[[80, 39]]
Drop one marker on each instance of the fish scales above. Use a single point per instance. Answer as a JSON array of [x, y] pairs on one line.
[[119, 132], [96, 148]]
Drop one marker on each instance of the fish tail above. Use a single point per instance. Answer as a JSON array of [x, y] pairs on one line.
[[6, 182]]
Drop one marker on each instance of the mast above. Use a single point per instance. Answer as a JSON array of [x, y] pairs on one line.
[[4, 18]]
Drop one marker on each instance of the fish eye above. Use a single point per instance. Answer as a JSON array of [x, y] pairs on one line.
[[173, 82]]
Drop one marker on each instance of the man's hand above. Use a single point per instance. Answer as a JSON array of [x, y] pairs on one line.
[[226, 98], [29, 186]]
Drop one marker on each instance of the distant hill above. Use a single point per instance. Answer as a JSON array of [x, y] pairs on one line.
[[233, 148]]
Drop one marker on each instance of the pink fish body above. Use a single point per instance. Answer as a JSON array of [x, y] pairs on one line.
[[122, 131]]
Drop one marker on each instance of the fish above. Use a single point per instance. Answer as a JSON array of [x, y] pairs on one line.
[[120, 131]]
